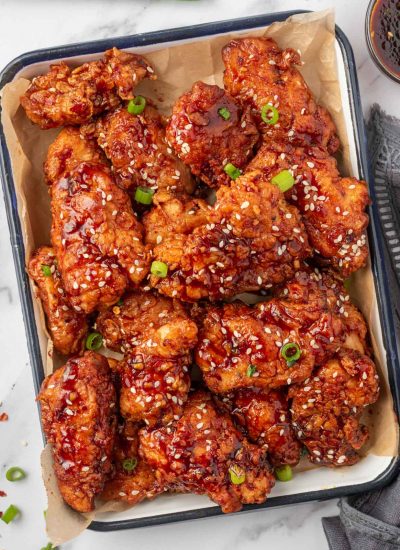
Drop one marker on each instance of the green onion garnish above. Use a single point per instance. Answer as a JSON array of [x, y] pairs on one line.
[[251, 369], [137, 105], [232, 171], [269, 114], [129, 464], [46, 270], [94, 341], [144, 195], [224, 113], [284, 180], [291, 353], [120, 302], [284, 473], [159, 269], [236, 474], [11, 513], [15, 474], [49, 546]]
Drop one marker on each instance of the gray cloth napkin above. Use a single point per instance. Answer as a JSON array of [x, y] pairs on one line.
[[372, 521]]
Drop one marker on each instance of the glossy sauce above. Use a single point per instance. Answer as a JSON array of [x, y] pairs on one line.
[[385, 34]]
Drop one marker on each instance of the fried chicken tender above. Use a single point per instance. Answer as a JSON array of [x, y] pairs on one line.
[[79, 420], [241, 346], [258, 73], [66, 96], [208, 129], [327, 407], [333, 208], [137, 149], [266, 419], [204, 453], [67, 327], [253, 239], [133, 479], [96, 236], [156, 335]]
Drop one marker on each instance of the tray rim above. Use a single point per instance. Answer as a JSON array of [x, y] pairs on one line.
[[375, 235]]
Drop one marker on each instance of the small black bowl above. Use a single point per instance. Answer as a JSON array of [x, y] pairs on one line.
[[371, 46]]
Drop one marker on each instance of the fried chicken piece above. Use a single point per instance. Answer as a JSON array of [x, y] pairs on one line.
[[241, 346], [265, 416], [208, 129], [133, 479], [157, 335], [326, 408], [253, 239], [137, 149], [67, 327], [333, 208], [174, 217], [79, 420], [95, 233], [67, 151], [66, 96], [258, 73], [204, 453]]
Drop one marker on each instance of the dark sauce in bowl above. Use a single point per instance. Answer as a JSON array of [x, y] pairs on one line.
[[383, 20]]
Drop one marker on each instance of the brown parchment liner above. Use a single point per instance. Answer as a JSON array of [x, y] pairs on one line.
[[177, 68]]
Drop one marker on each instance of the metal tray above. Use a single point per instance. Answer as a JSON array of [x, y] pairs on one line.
[[200, 507]]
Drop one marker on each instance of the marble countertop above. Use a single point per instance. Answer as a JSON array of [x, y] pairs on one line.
[[45, 23]]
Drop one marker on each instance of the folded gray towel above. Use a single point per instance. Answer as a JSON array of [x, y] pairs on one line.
[[372, 521]]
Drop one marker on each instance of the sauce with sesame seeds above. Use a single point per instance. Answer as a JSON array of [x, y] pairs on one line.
[[384, 28]]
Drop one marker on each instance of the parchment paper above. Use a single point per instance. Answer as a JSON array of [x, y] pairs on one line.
[[177, 68]]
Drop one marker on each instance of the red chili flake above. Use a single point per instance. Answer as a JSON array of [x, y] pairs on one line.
[[3, 417], [3, 494], [1, 514]]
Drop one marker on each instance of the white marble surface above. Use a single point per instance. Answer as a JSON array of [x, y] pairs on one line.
[[28, 25]]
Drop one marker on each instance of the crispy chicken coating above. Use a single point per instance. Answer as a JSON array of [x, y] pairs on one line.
[[156, 335], [327, 407], [258, 73], [67, 151], [253, 239], [241, 346], [66, 96], [208, 129], [67, 327], [138, 151], [79, 420], [333, 208], [133, 479], [266, 419], [174, 217], [95, 234], [204, 453]]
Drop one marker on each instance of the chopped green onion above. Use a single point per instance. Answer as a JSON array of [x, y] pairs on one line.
[[160, 269], [137, 105], [224, 113], [251, 369], [94, 341], [291, 353], [11, 513], [46, 270], [270, 114], [284, 180], [129, 464], [49, 546], [120, 302], [232, 171], [284, 473], [15, 474], [236, 474], [144, 195]]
